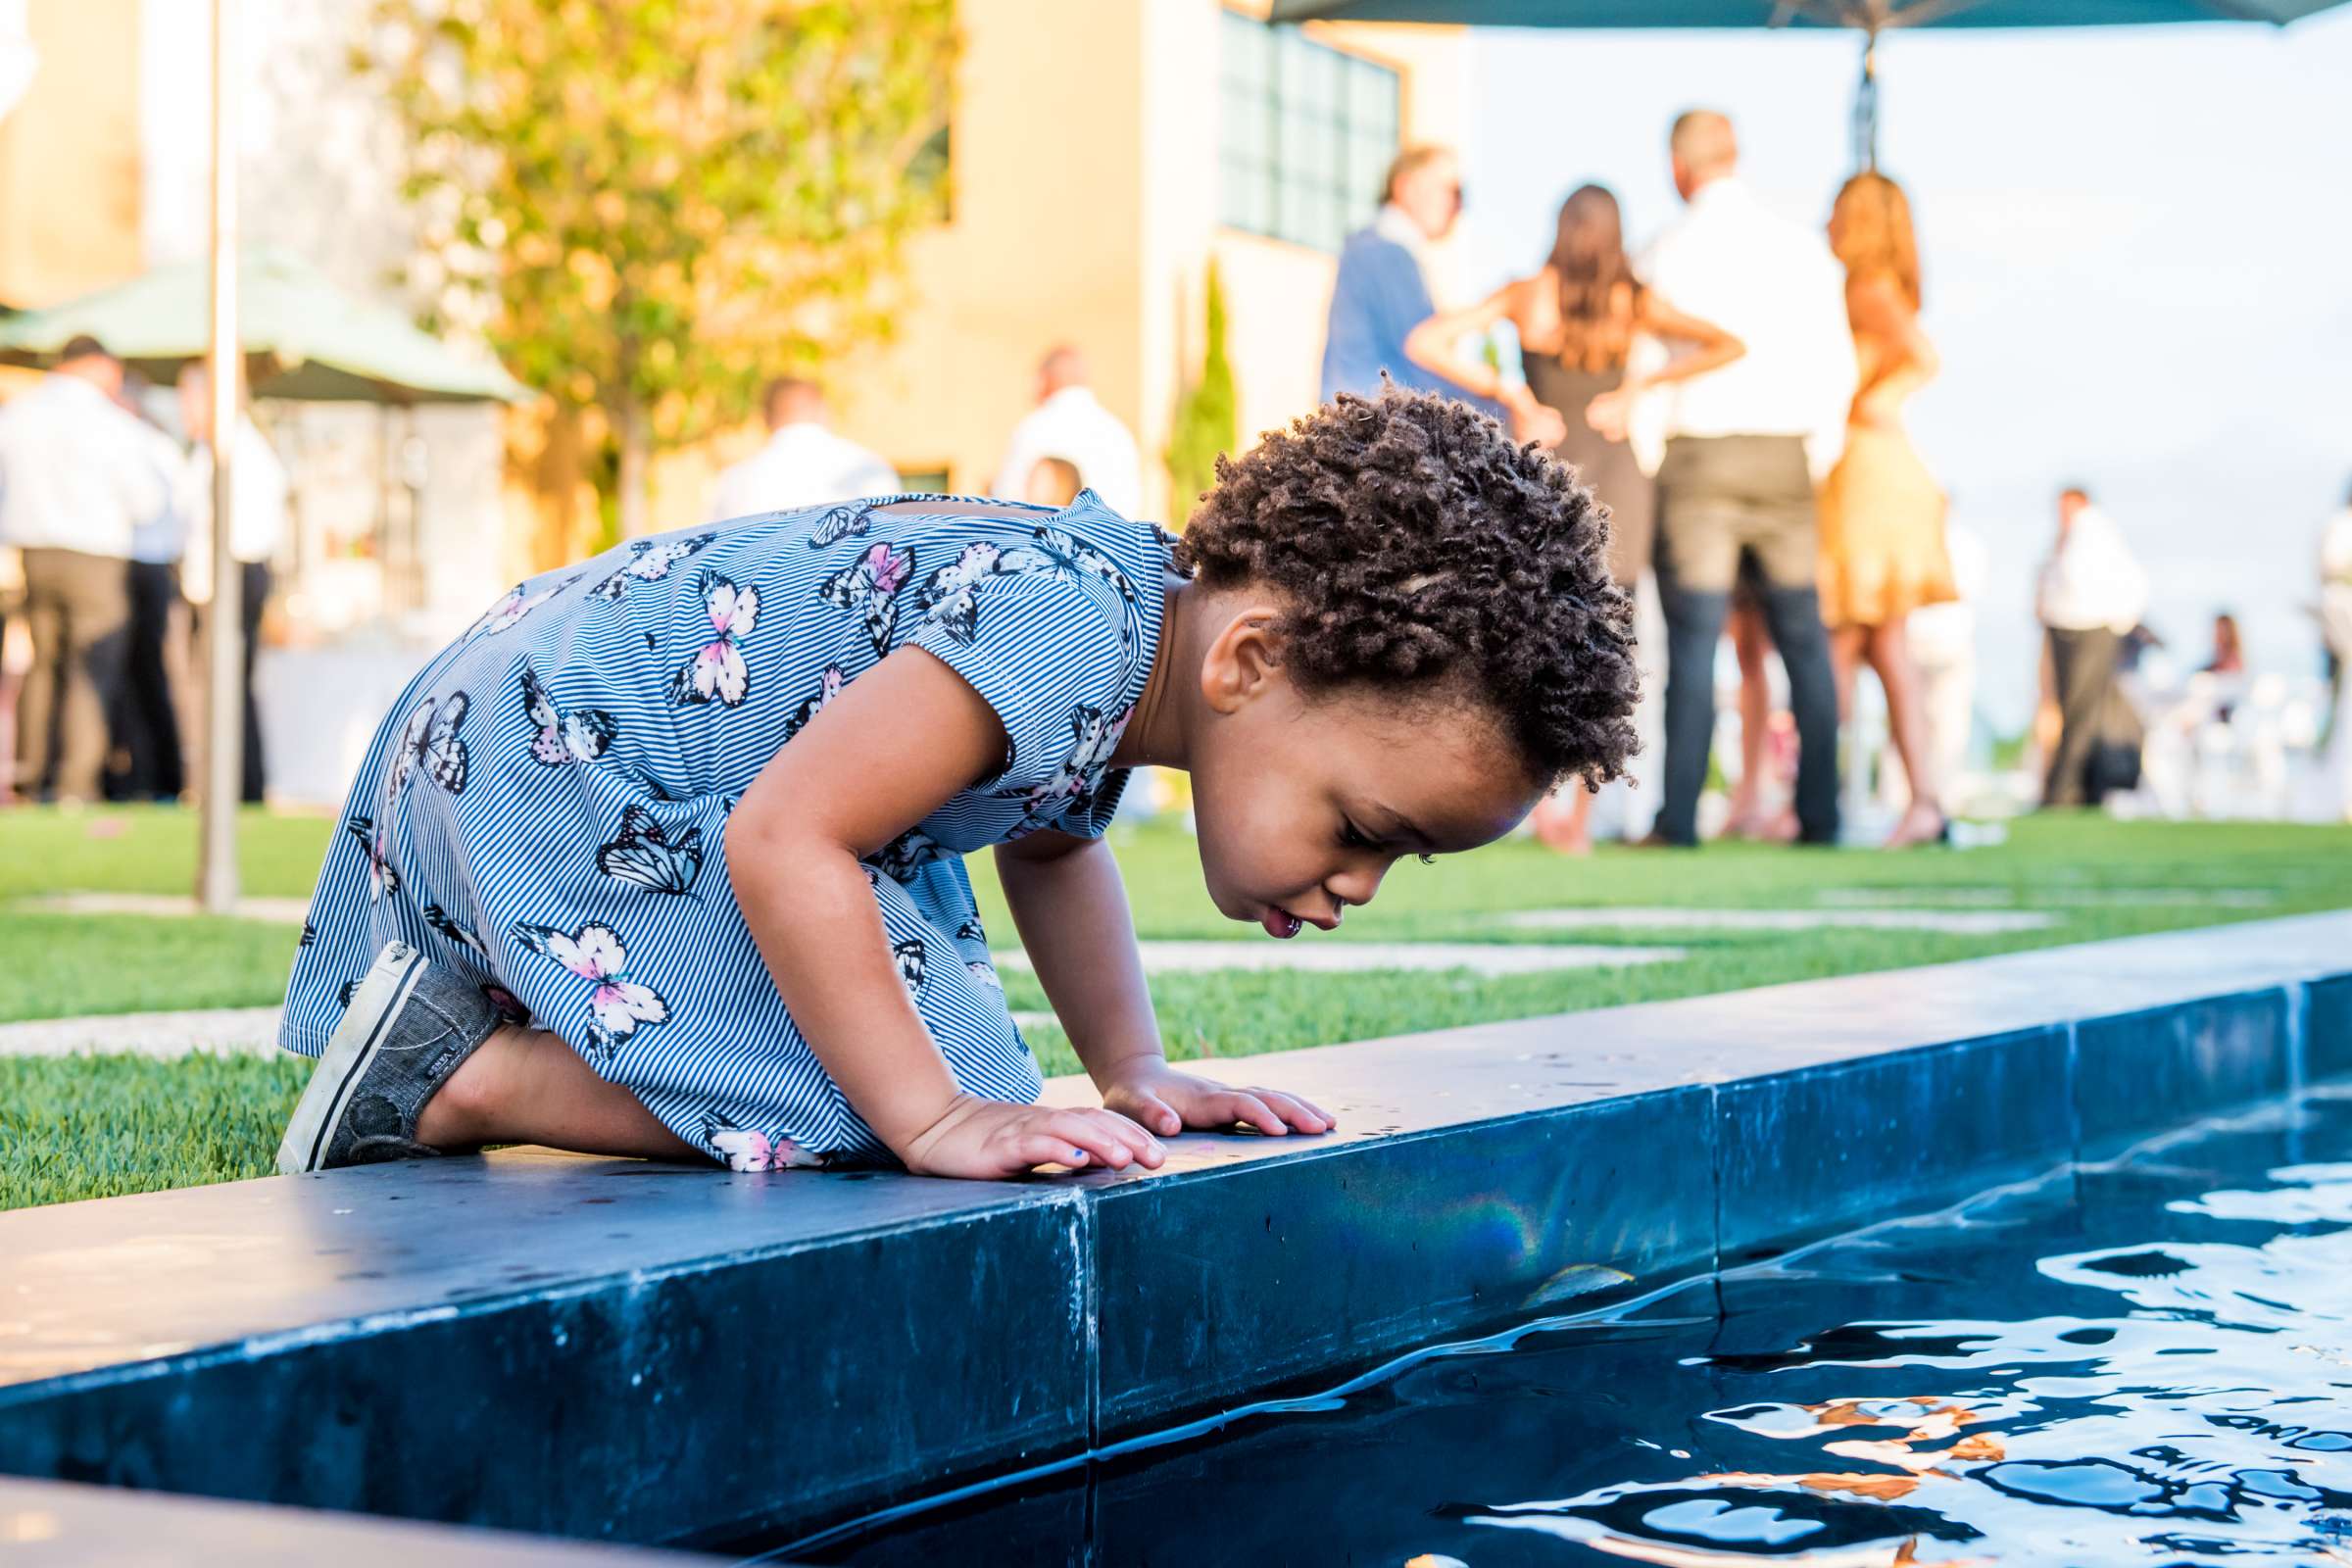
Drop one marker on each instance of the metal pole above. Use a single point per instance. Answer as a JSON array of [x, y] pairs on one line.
[[1866, 106], [225, 687]]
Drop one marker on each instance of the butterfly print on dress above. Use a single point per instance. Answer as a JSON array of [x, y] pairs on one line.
[[715, 672], [905, 855], [1066, 555], [828, 687], [842, 522], [442, 921], [510, 610], [384, 879], [1079, 775], [431, 741], [744, 1150], [649, 562], [650, 856], [870, 585], [911, 958], [580, 736], [616, 1005], [949, 596]]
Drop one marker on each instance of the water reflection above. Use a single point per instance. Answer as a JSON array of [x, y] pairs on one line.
[[2149, 1363]]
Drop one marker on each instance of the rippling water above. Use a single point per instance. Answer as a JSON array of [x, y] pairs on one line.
[[2146, 1362]]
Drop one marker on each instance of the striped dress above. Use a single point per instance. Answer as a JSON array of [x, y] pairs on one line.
[[545, 810]]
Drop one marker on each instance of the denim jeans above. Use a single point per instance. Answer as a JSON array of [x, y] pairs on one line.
[[1723, 500]]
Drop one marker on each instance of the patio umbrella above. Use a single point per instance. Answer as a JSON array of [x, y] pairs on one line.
[[301, 337], [1870, 18], [312, 340]]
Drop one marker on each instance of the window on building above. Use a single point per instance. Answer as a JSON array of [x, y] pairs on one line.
[[929, 172], [1308, 131]]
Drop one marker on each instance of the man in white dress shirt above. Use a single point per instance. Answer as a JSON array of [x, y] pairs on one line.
[[257, 528], [1745, 446], [804, 464], [1070, 424], [2090, 594], [78, 478]]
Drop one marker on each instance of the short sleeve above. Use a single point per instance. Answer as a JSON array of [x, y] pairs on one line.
[[1045, 649]]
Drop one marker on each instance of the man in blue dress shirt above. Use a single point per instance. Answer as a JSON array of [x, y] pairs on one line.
[[1382, 292]]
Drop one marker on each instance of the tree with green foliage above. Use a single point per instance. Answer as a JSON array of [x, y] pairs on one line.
[[649, 206], [1207, 422]]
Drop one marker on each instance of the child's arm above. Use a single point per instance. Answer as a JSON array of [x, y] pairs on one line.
[[893, 746], [1071, 908]]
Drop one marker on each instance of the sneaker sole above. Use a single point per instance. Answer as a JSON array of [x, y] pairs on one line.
[[345, 1061]]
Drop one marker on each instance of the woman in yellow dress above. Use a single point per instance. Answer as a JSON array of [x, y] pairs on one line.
[[1881, 512]]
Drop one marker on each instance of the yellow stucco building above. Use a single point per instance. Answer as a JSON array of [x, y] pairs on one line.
[[1103, 152]]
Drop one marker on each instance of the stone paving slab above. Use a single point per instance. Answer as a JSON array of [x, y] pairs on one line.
[[2129, 898], [282, 912], [55, 1524], [1305, 955], [241, 1031], [1681, 918], [662, 1353]]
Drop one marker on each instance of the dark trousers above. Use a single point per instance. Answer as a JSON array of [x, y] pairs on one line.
[[1723, 500], [2082, 666], [253, 591], [146, 721], [77, 608]]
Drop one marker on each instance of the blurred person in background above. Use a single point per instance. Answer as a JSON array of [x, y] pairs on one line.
[[12, 606], [2227, 666], [1943, 648], [2090, 594], [804, 463], [1577, 320], [1053, 482], [1746, 445], [149, 761], [79, 476], [2335, 621], [1383, 288], [1881, 512], [2228, 649], [257, 530], [1070, 422]]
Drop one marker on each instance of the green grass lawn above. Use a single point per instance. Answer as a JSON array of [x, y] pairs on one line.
[[101, 1125]]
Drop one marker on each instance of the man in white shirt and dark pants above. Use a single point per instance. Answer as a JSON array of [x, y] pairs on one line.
[[255, 531], [2090, 594], [1071, 424], [804, 464], [79, 476], [146, 716], [1745, 446]]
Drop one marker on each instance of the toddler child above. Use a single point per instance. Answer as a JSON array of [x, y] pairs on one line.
[[664, 856]]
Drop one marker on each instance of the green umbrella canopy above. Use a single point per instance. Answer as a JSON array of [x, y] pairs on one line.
[[315, 340], [1869, 15]]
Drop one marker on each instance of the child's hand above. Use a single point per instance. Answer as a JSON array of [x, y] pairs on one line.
[[1166, 1101], [988, 1139]]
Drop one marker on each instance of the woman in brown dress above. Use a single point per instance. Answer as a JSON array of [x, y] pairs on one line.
[[1881, 512], [1577, 320]]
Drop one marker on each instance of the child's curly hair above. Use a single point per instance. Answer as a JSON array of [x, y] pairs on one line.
[[1420, 547]]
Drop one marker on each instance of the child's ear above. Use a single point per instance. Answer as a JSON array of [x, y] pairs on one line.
[[1242, 662]]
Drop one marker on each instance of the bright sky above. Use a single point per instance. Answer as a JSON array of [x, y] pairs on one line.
[[2137, 247]]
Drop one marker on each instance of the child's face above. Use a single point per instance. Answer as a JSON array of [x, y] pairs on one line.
[[1304, 802]]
